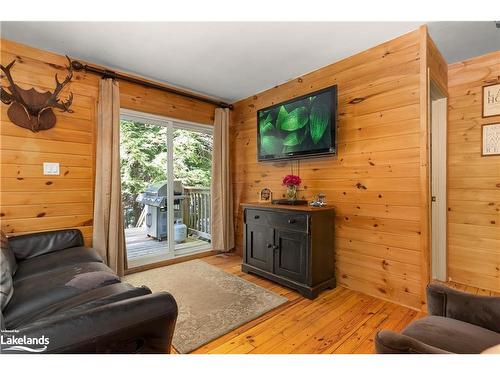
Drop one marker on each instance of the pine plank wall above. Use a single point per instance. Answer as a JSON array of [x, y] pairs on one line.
[[375, 181], [473, 180], [33, 202], [378, 183]]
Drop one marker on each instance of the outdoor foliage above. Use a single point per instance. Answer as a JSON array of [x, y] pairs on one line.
[[143, 150], [296, 126]]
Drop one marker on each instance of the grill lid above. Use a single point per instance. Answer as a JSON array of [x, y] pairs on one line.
[[158, 189], [156, 194], [153, 201]]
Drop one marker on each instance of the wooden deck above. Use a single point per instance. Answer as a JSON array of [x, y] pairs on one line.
[[139, 245]]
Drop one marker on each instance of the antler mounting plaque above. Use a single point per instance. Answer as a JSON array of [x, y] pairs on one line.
[[30, 108]]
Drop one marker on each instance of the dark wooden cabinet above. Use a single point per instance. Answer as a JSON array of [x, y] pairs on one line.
[[292, 246], [290, 254], [259, 241]]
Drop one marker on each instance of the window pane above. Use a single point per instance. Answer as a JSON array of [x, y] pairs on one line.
[[143, 151], [192, 174]]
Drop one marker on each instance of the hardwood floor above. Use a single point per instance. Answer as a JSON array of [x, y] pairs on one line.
[[338, 321]]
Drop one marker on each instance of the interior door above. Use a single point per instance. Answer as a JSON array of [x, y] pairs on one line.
[[290, 253], [259, 245], [438, 185]]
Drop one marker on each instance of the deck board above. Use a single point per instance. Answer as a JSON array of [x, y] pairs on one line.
[[139, 245]]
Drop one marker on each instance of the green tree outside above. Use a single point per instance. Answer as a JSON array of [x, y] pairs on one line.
[[143, 150]]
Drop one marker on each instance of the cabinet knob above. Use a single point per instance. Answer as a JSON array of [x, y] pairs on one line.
[[256, 217], [292, 221], [275, 247], [269, 245]]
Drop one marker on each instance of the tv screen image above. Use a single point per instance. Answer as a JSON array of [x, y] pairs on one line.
[[301, 127]]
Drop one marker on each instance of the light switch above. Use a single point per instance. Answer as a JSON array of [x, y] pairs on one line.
[[51, 169]]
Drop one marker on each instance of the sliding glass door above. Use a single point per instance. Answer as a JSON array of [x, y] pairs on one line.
[[192, 163], [166, 173], [143, 152]]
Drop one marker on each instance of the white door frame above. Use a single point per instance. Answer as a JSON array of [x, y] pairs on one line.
[[438, 184], [171, 125]]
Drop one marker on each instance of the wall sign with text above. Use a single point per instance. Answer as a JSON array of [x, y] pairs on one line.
[[490, 139], [491, 100]]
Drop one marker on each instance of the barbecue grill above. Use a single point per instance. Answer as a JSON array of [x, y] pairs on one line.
[[155, 200]]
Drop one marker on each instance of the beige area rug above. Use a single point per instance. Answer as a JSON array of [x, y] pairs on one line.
[[211, 302]]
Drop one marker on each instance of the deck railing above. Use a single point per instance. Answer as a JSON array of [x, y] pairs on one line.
[[197, 211]]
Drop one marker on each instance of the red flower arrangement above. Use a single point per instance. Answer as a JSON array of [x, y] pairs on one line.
[[291, 180]]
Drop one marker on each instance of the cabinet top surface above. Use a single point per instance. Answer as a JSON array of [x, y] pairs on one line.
[[303, 208]]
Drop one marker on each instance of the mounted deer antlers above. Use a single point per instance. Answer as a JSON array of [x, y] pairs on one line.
[[32, 109]]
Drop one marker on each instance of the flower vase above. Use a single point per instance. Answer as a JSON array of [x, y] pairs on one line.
[[291, 192]]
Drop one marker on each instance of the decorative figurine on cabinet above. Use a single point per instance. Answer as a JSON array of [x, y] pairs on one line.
[[265, 195], [319, 200]]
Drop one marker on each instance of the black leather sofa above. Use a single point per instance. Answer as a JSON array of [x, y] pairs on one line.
[[458, 322], [52, 287]]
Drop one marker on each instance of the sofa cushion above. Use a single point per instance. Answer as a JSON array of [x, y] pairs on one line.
[[52, 261], [37, 293], [8, 267], [35, 244], [7, 255], [6, 284], [452, 335], [88, 300]]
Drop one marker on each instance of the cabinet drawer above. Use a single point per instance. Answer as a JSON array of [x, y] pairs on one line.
[[256, 217], [291, 221], [286, 220]]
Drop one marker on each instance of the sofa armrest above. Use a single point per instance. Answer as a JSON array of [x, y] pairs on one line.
[[483, 311], [35, 244], [388, 342], [142, 324]]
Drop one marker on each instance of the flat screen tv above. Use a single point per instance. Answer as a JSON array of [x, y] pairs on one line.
[[301, 127]]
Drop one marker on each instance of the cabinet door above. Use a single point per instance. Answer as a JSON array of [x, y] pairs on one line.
[[290, 254], [259, 246]]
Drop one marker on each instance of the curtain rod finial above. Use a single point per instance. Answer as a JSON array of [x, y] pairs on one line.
[[77, 65]]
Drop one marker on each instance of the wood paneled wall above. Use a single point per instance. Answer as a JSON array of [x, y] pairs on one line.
[[377, 182], [33, 202], [473, 180]]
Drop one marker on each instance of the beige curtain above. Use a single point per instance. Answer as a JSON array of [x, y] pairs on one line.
[[108, 236], [222, 203]]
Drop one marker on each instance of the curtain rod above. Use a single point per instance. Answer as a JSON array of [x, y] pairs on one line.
[[77, 65]]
